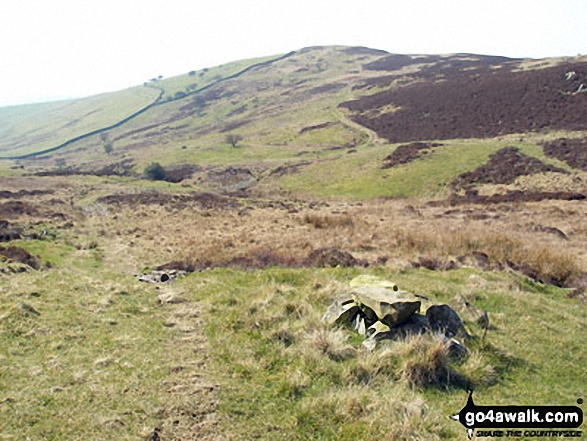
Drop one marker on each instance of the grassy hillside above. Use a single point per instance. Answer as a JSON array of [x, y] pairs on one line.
[[239, 350], [31, 128], [259, 238]]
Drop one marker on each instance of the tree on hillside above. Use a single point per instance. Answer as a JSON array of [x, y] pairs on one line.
[[233, 139], [154, 172], [106, 143], [108, 147]]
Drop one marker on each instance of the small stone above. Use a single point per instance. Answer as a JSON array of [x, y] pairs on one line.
[[340, 310], [360, 325], [29, 309], [370, 344], [170, 298], [456, 349], [443, 318]]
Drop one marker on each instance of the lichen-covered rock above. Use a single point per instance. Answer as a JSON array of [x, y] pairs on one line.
[[343, 310], [378, 310], [366, 280], [386, 305]]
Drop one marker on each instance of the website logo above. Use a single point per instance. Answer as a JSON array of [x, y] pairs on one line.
[[508, 418]]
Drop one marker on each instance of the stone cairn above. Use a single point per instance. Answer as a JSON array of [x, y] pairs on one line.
[[378, 310]]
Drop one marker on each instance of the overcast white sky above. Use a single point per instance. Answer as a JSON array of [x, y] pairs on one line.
[[51, 49]]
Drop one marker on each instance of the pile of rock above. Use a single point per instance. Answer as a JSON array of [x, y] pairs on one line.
[[378, 310], [157, 276]]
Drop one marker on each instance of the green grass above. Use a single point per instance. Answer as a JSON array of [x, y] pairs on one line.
[[278, 384], [93, 362], [188, 83], [83, 368], [274, 119], [360, 175], [31, 128], [84, 353]]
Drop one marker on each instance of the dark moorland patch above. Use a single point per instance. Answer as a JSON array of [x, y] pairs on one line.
[[472, 197], [359, 50], [571, 151], [17, 254], [206, 201], [504, 167], [180, 172], [6, 194], [13, 209], [477, 98], [397, 61], [121, 168], [9, 232], [289, 169], [265, 258], [330, 87], [407, 153], [315, 127]]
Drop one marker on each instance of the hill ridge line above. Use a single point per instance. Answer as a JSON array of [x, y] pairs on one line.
[[156, 102]]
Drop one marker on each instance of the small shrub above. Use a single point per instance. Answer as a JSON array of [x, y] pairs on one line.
[[108, 147], [233, 139], [155, 172]]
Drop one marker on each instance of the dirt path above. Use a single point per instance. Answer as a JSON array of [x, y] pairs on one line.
[[191, 394], [372, 136], [187, 391]]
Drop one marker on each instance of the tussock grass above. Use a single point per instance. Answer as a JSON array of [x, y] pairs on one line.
[[326, 221], [330, 342], [310, 381], [426, 362], [550, 262]]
